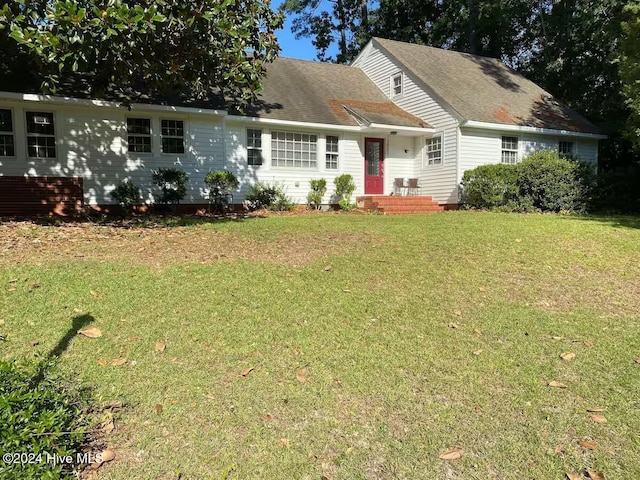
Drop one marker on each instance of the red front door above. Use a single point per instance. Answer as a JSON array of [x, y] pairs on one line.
[[373, 166]]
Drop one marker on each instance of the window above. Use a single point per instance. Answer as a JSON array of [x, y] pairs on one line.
[[296, 150], [509, 150], [396, 84], [254, 146], [172, 136], [565, 149], [7, 147], [41, 135], [331, 153], [139, 135], [434, 151]]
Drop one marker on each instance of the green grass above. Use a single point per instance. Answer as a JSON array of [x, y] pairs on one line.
[[386, 337]]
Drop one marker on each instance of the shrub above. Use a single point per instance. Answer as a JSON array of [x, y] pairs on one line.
[[172, 182], [126, 194], [34, 401], [262, 195], [618, 190], [221, 184], [551, 183], [318, 189], [344, 189], [489, 186], [541, 182]]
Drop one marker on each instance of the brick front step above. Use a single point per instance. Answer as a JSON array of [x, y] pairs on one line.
[[398, 205]]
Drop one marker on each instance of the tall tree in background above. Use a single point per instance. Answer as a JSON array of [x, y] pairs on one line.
[[344, 22], [630, 66], [204, 46]]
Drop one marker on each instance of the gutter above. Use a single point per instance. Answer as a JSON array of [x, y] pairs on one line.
[[526, 129], [79, 102]]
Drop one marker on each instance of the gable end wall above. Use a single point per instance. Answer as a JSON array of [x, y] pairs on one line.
[[439, 181]]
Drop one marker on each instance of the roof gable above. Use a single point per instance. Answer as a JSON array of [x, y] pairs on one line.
[[483, 89]]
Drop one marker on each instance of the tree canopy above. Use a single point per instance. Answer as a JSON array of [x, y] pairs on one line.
[[203, 46], [630, 64]]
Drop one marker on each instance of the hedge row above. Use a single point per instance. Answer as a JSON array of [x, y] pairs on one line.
[[544, 181]]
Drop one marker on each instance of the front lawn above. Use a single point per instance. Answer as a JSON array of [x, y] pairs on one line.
[[370, 345]]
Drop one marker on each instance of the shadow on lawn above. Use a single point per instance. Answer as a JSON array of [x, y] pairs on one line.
[[616, 221], [77, 323]]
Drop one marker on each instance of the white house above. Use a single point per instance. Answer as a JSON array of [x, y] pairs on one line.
[[399, 111]]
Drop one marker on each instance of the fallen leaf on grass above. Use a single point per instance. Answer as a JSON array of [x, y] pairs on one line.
[[638, 360], [268, 417], [557, 338], [567, 356], [477, 352], [116, 362], [328, 268], [160, 347], [518, 240], [595, 475], [158, 409], [596, 409], [451, 454], [103, 362], [247, 371], [587, 344], [284, 442], [477, 333], [573, 476], [453, 325], [599, 418], [93, 293], [107, 455], [587, 445], [457, 313], [92, 332], [555, 384], [301, 375]]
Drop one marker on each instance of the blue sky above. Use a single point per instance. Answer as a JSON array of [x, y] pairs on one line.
[[291, 47]]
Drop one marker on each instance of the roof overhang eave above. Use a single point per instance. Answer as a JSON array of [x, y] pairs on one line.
[[528, 129], [400, 130]]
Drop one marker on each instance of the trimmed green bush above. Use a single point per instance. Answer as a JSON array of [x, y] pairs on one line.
[[126, 194], [543, 181], [173, 184], [263, 195], [550, 183], [220, 184], [344, 189], [40, 413], [490, 186], [318, 189]]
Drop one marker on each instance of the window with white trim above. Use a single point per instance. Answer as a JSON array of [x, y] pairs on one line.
[[254, 146], [41, 135], [7, 145], [139, 135], [565, 149], [172, 136], [331, 152], [509, 150], [396, 84], [297, 150], [434, 151]]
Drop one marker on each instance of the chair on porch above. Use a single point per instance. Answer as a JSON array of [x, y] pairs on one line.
[[412, 187], [398, 185]]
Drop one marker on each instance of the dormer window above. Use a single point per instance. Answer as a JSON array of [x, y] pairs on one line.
[[396, 85]]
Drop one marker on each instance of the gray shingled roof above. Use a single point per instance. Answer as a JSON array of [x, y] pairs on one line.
[[315, 92], [484, 89]]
